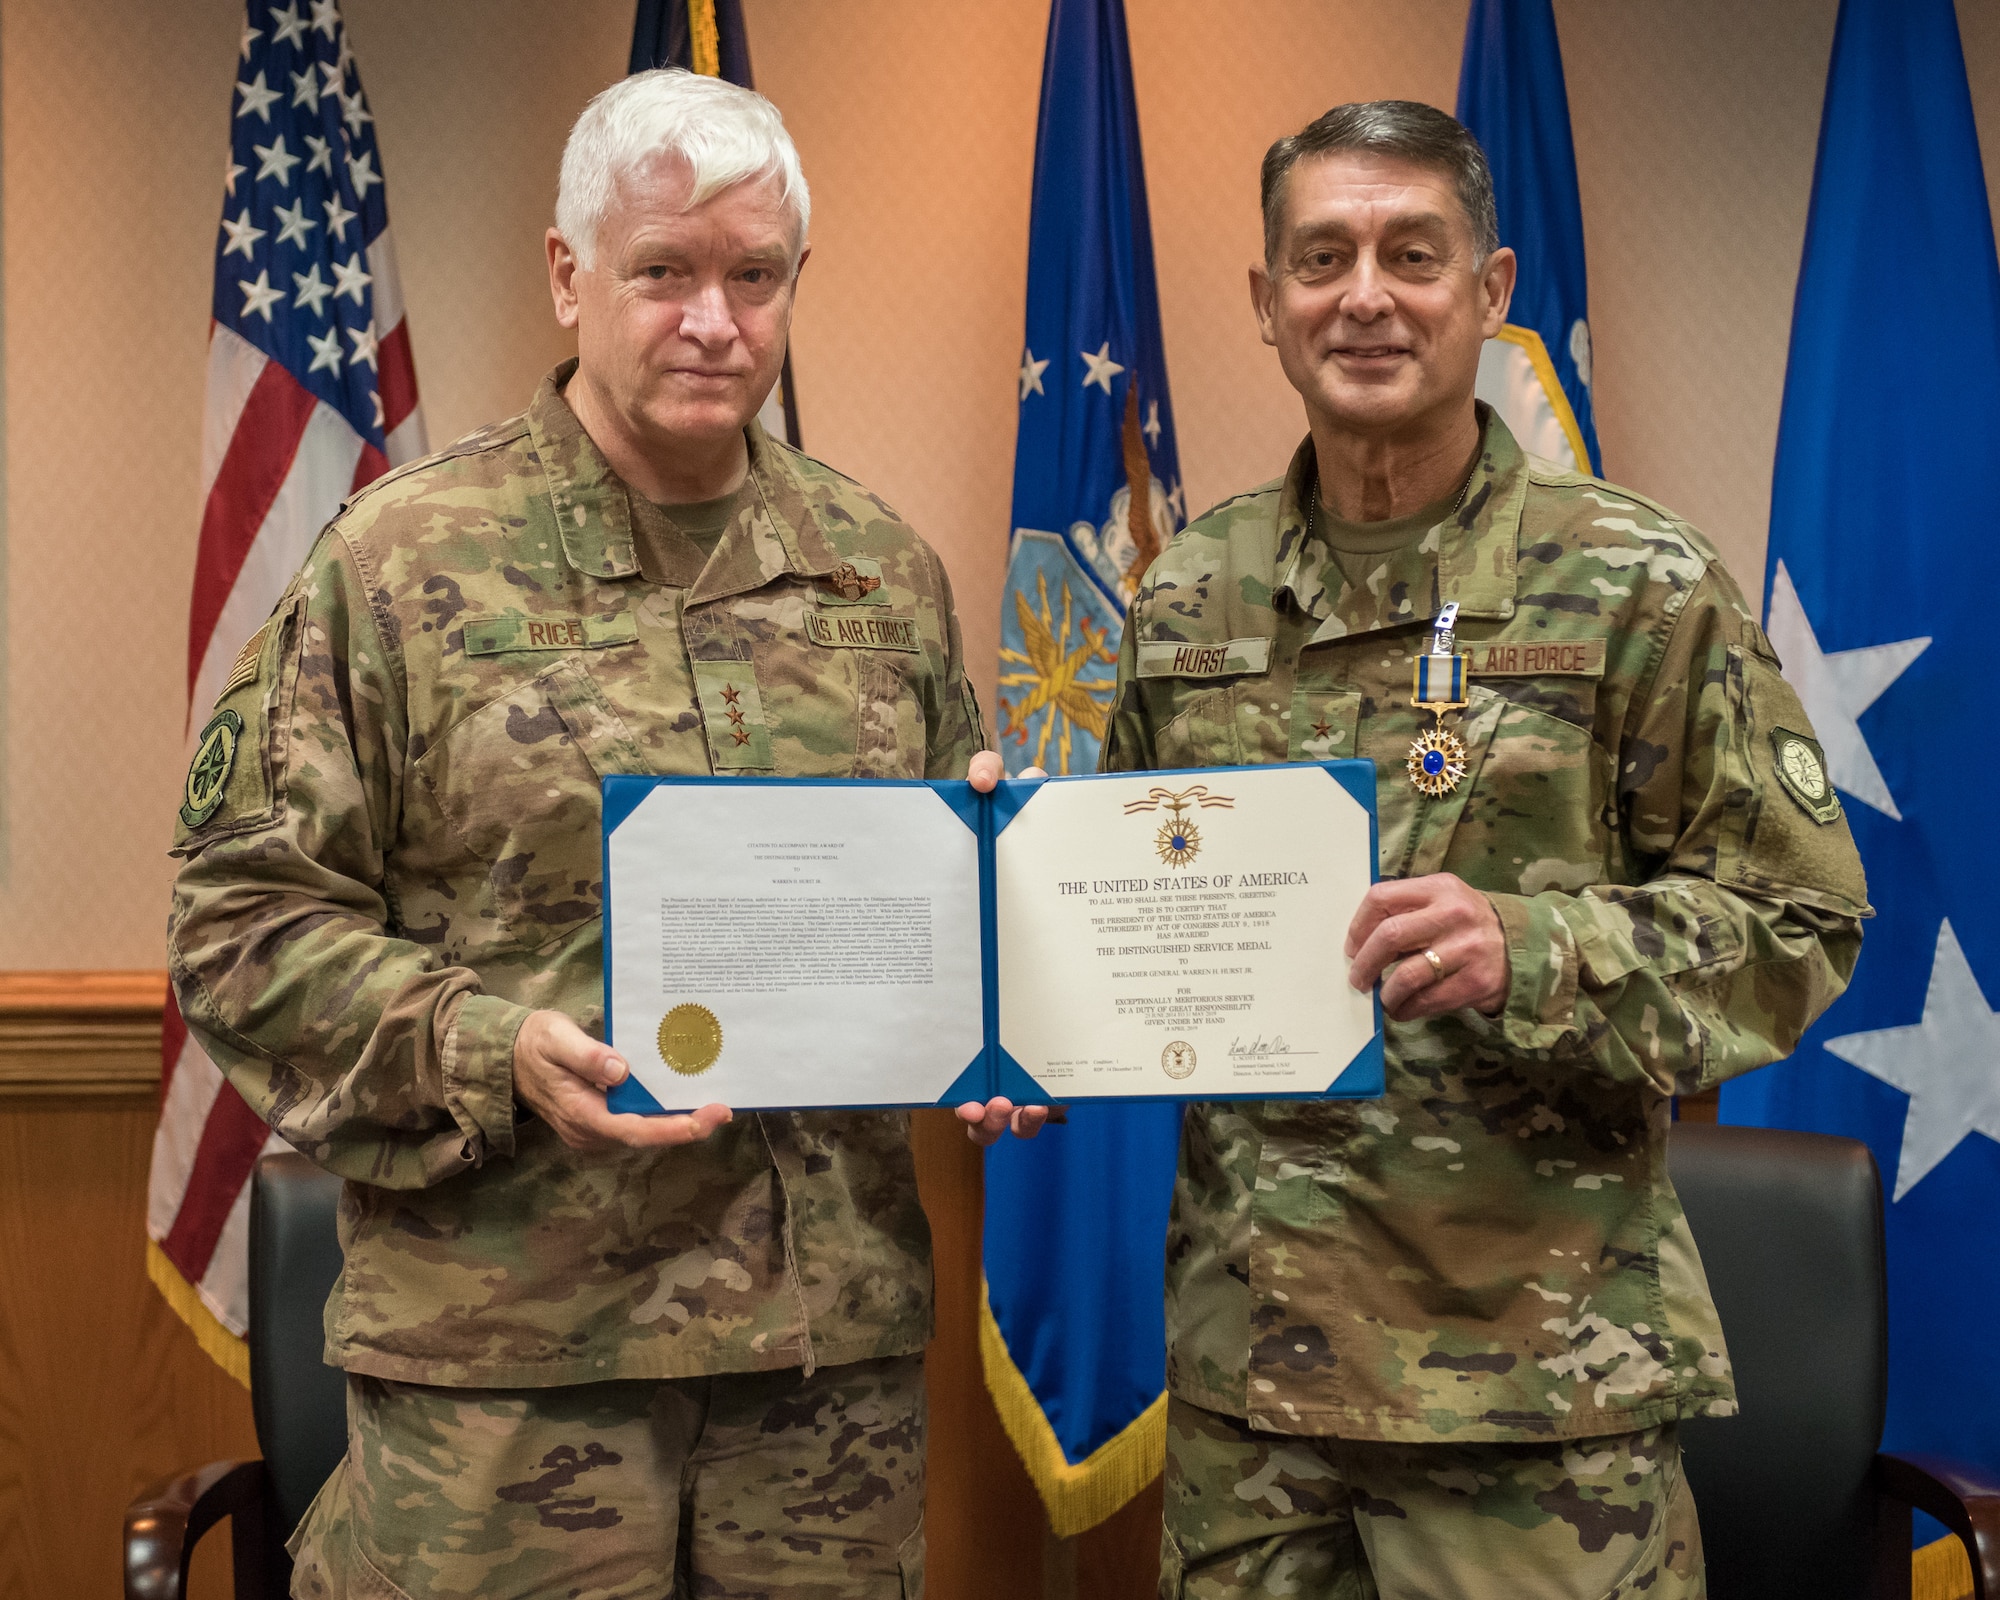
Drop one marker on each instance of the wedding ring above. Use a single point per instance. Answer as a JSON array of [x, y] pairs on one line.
[[1437, 965]]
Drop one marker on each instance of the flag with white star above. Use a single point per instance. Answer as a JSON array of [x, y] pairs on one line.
[[1097, 484], [1073, 1334], [311, 394], [1883, 579]]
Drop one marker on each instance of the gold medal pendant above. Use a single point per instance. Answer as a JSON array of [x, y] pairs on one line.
[[1437, 763]]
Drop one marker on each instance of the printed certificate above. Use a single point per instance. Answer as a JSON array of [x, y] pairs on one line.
[[789, 944]]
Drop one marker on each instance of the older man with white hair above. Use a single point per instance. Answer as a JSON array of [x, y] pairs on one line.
[[587, 1353]]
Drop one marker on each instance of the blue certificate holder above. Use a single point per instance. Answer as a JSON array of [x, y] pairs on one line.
[[798, 944]]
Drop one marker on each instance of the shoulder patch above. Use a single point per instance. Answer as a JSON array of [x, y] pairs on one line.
[[214, 760], [1800, 766], [246, 662]]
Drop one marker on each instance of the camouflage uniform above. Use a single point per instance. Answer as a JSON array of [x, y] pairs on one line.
[[1261, 1513], [765, 1486], [1492, 1254], [401, 861]]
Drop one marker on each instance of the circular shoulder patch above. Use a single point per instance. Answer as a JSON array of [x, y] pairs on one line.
[[1801, 767], [208, 773]]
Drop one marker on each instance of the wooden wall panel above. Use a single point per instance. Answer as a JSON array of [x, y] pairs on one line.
[[985, 1524], [103, 1391]]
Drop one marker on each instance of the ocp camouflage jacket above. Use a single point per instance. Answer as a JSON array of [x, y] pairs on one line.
[[404, 861], [1492, 1251]]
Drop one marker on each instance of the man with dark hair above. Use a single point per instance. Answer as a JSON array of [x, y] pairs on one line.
[[1438, 1343]]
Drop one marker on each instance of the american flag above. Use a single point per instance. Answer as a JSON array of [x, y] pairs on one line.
[[311, 394]]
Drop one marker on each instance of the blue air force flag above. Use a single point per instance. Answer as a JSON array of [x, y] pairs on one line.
[[1536, 371], [1097, 487], [1882, 580], [1073, 1335]]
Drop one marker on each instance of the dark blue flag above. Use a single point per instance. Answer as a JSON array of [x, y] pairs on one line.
[[1536, 371], [707, 36], [1097, 484], [1074, 1333], [1882, 575]]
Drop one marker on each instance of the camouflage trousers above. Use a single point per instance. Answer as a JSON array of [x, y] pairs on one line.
[[745, 1485], [1251, 1513]]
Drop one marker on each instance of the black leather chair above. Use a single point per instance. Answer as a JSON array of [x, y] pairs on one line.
[[298, 1402], [1794, 1495]]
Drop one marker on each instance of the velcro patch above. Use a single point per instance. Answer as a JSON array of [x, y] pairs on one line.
[[246, 663], [492, 636], [859, 631], [732, 712], [857, 581], [214, 760], [1800, 764], [1172, 658], [1560, 658]]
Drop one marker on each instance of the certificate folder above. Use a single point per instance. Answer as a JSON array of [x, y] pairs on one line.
[[797, 943]]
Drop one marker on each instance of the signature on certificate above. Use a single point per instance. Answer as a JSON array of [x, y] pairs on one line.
[[1262, 1049]]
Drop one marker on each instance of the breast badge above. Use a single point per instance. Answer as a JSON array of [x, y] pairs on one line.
[[208, 773], [1179, 840], [690, 1039], [850, 583], [1801, 768]]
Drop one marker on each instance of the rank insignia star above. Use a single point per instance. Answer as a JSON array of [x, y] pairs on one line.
[[1322, 728], [731, 694], [735, 717], [742, 737]]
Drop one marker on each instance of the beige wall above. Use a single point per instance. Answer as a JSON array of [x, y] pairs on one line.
[[116, 116], [1695, 126]]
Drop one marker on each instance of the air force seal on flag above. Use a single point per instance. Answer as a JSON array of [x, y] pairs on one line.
[[1058, 657]]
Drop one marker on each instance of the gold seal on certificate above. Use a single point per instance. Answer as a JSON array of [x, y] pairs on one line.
[[690, 1039]]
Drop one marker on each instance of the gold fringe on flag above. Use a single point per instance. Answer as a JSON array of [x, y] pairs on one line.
[[222, 1347], [1078, 1496], [1940, 1571], [704, 42], [1530, 343]]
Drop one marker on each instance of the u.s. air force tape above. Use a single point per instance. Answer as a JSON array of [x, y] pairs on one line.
[[1557, 658], [1175, 658], [859, 629]]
